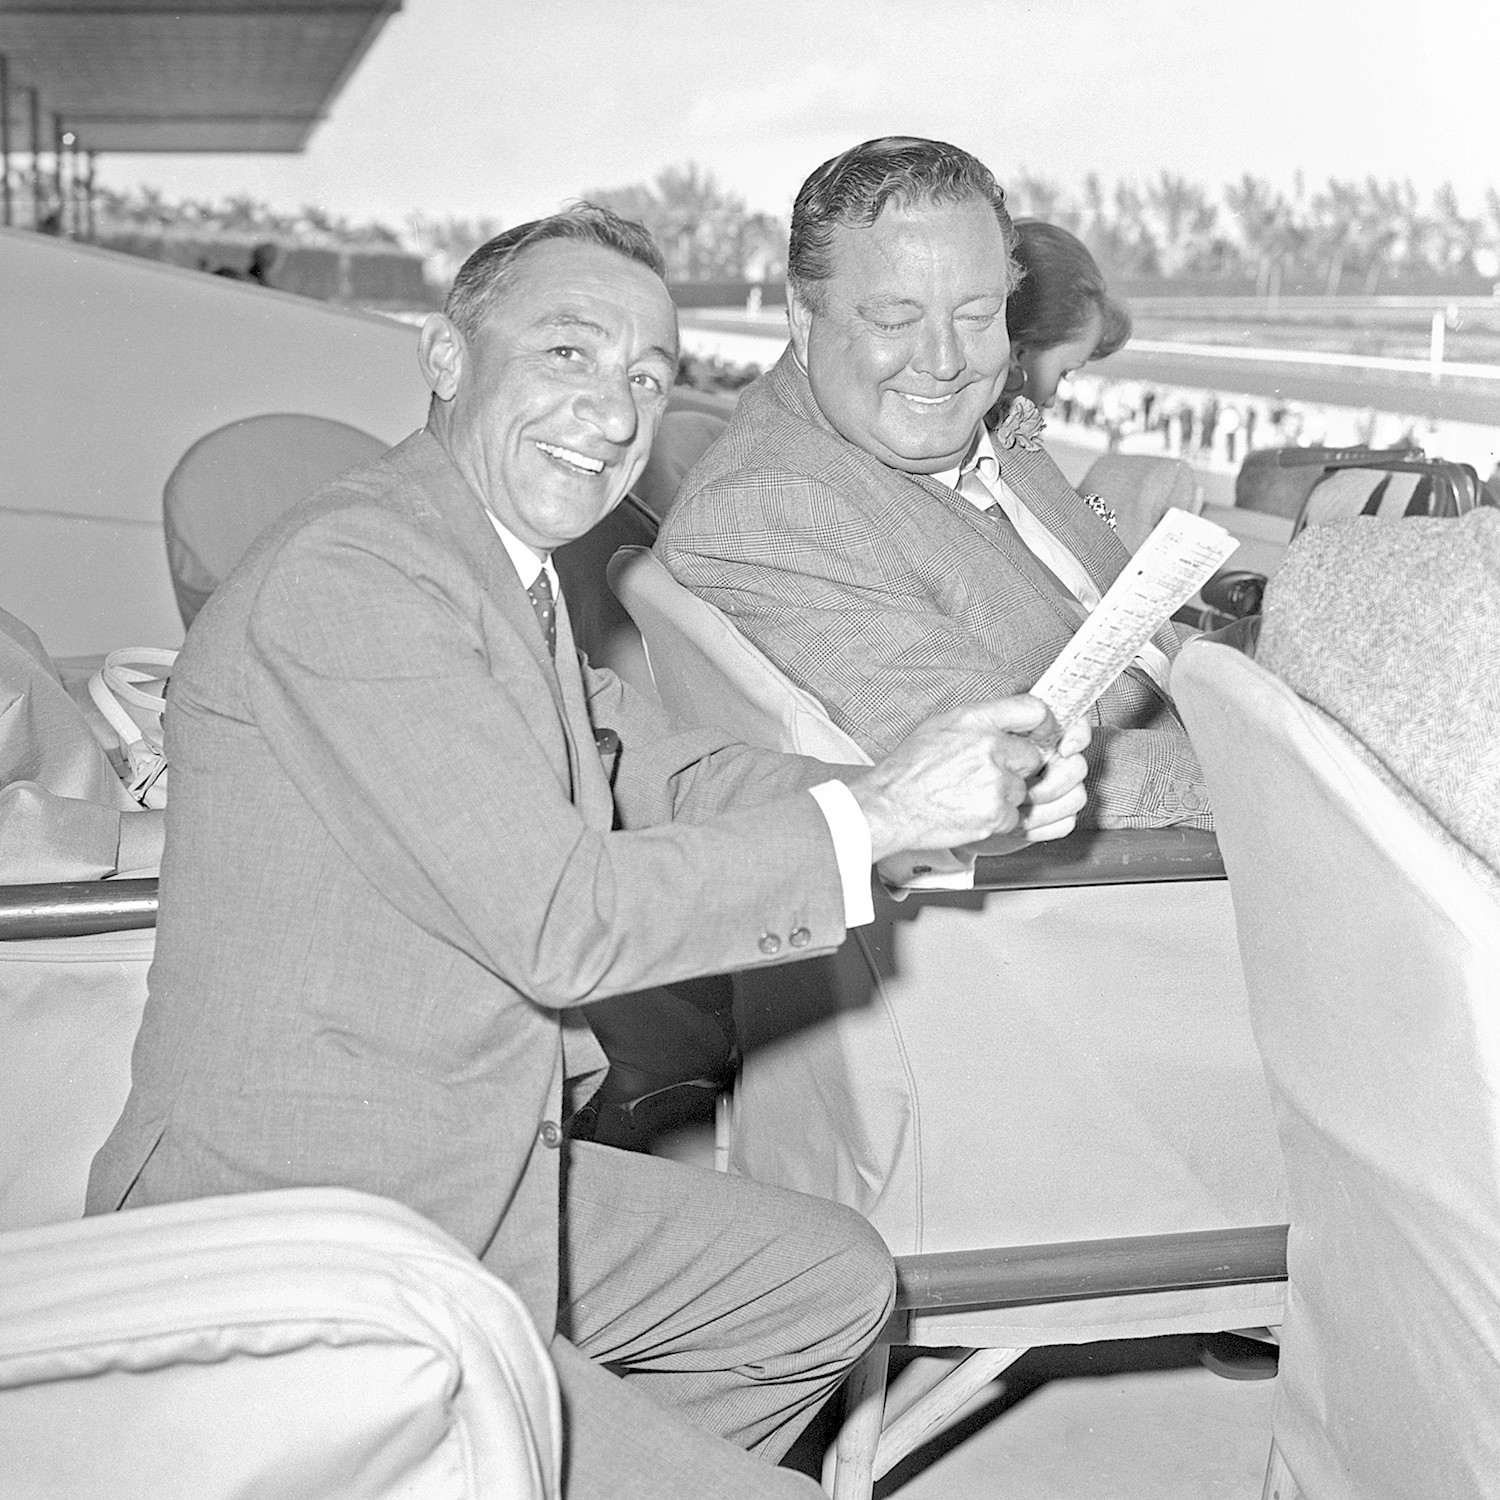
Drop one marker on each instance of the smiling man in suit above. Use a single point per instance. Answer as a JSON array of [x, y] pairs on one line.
[[862, 527], [410, 834]]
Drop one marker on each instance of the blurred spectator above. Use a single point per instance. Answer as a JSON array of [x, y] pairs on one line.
[[264, 260]]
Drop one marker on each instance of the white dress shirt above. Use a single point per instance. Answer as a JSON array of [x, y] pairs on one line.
[[847, 826], [979, 480]]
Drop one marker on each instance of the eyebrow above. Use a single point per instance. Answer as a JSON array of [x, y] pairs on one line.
[[884, 305], [571, 321], [564, 322]]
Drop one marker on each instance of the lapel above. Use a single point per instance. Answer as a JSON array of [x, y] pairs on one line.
[[1005, 540], [441, 500], [1044, 489]]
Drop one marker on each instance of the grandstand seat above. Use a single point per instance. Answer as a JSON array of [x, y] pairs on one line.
[[233, 482], [311, 1343], [1000, 1080], [1372, 958], [687, 429], [1390, 489], [1141, 488]]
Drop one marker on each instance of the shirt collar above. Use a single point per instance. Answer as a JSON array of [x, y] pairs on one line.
[[981, 456], [526, 563]]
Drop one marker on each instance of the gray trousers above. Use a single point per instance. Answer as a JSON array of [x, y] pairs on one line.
[[702, 1315]]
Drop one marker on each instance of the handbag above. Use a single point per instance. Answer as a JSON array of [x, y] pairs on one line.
[[130, 691]]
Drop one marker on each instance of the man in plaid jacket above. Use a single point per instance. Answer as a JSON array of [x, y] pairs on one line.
[[862, 527]]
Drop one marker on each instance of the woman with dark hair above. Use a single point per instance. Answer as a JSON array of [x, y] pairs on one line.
[[1060, 316]]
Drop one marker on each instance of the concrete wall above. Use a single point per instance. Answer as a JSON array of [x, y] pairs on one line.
[[110, 368]]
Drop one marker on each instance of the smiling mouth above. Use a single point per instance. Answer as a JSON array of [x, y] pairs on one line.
[[580, 462], [926, 400]]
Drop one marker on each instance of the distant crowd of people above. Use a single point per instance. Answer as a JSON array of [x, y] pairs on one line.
[[1207, 426]]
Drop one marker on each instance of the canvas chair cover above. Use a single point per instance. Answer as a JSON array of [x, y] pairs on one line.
[[995, 1068], [69, 1012], [312, 1344], [233, 482], [61, 799], [1373, 963]]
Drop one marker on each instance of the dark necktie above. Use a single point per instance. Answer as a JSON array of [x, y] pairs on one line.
[[544, 602]]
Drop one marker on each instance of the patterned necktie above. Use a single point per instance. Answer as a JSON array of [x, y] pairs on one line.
[[544, 602]]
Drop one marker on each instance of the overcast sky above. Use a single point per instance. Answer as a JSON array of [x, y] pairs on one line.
[[506, 108]]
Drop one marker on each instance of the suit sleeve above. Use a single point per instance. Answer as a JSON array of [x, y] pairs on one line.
[[668, 771], [367, 671], [878, 633]]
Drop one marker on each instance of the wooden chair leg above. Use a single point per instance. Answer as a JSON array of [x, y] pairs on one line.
[[1279, 1483], [852, 1476], [920, 1374], [933, 1411]]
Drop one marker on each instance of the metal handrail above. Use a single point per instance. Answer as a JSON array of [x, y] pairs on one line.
[[1103, 856], [1075, 1270], [76, 908]]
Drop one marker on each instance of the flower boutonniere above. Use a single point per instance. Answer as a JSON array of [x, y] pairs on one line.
[[1021, 427]]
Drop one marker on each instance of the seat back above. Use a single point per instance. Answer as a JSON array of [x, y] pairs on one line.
[[708, 673], [1107, 1024], [1393, 492], [1372, 959], [686, 433], [313, 1343], [69, 1012], [1141, 488], [233, 482]]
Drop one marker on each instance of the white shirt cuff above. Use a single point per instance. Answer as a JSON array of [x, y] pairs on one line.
[[851, 847]]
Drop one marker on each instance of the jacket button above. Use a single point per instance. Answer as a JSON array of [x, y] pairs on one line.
[[800, 937], [550, 1135], [769, 943], [1193, 801]]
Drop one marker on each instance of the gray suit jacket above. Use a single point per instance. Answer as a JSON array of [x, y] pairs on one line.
[[392, 866], [891, 597]]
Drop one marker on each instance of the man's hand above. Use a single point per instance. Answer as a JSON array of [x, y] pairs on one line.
[[962, 776], [1056, 797]]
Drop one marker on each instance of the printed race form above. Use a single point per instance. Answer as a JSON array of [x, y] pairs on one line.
[[1180, 555]]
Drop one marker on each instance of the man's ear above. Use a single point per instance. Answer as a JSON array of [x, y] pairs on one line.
[[799, 320], [441, 352]]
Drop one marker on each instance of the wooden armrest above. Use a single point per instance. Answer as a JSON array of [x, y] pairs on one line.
[[74, 908], [1103, 856], [1014, 1275]]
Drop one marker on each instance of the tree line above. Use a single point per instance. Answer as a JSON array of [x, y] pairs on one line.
[[1346, 236]]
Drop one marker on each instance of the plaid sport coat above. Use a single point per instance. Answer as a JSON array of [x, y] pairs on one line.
[[891, 597]]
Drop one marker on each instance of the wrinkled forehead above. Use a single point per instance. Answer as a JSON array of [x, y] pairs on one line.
[[594, 290]]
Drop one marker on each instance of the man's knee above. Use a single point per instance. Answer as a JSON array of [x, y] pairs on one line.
[[861, 1277]]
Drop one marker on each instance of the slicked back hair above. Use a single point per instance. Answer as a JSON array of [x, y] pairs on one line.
[[857, 186], [485, 274], [1063, 288]]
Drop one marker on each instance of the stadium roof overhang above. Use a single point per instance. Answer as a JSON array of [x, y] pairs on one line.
[[181, 75]]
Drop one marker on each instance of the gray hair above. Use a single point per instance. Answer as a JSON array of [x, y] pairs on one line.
[[856, 186], [485, 274]]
